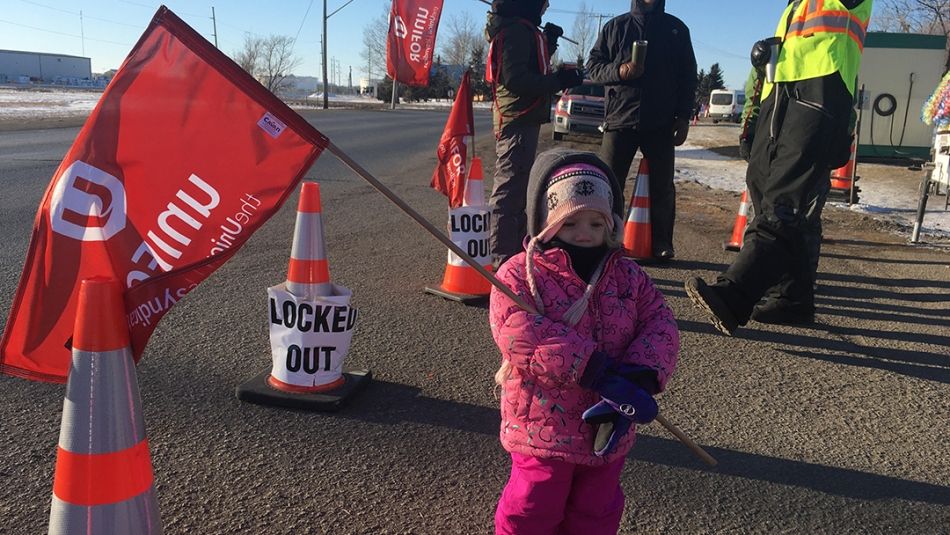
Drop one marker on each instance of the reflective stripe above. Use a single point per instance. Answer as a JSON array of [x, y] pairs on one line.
[[308, 271], [638, 215], [821, 37], [831, 22], [103, 478]]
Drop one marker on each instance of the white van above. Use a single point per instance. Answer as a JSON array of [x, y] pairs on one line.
[[726, 104]]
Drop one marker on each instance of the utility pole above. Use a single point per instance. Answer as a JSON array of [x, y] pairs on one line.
[[326, 103], [82, 33], [214, 25], [326, 97]]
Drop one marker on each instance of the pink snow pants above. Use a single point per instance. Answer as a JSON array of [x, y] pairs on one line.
[[550, 497]]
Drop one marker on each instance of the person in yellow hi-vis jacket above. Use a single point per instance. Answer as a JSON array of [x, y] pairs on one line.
[[811, 67]]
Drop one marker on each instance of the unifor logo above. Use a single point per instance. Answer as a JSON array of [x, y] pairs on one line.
[[88, 204], [401, 31]]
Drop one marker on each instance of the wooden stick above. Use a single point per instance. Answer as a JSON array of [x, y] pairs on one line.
[[366, 175], [700, 452]]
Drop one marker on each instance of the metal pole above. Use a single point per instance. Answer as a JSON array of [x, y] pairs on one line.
[[857, 143], [365, 175], [214, 25], [326, 97], [82, 33], [921, 206], [392, 104]]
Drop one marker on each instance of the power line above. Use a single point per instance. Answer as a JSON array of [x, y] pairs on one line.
[[309, 5], [62, 33], [590, 14], [51, 7]]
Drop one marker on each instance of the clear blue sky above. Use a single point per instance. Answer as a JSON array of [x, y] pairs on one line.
[[722, 31]]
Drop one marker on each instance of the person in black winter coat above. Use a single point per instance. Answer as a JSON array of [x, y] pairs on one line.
[[648, 106], [523, 85]]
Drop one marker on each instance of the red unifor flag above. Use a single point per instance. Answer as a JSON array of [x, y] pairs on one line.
[[412, 28], [183, 158], [449, 174]]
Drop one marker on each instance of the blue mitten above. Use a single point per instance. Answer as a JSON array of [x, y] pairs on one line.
[[610, 427], [627, 398], [638, 374]]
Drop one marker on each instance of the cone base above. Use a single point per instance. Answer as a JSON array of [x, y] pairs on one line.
[[465, 299], [734, 247], [256, 390]]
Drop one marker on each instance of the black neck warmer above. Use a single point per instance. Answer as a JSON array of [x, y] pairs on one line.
[[584, 259]]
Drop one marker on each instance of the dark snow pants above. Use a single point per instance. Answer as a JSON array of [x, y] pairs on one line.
[[618, 150], [802, 133]]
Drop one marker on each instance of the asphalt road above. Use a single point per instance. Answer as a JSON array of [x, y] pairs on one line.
[[842, 427]]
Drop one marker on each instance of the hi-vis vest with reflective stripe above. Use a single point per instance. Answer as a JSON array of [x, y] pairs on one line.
[[823, 37]]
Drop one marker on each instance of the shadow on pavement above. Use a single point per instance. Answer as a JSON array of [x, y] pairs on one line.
[[821, 298], [936, 364], [894, 283], [927, 373], [396, 404], [901, 261], [882, 316], [863, 294]]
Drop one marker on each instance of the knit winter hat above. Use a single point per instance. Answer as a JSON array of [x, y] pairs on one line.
[[571, 189]]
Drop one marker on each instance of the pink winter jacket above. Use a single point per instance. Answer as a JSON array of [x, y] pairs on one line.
[[542, 403]]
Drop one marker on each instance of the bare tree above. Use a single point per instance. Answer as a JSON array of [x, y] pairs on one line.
[[584, 32], [270, 60], [277, 62], [914, 16], [375, 34], [461, 37], [249, 56]]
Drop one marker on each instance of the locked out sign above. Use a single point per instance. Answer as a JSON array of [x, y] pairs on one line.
[[468, 228], [309, 338]]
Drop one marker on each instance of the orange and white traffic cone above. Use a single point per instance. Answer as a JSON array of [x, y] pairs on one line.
[[468, 228], [311, 326], [844, 179], [103, 481], [742, 220], [638, 231], [308, 274]]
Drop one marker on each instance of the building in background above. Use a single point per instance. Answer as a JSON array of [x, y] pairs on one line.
[[18, 66], [898, 73]]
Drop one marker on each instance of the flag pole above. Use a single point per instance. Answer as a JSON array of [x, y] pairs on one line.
[[367, 176], [486, 2]]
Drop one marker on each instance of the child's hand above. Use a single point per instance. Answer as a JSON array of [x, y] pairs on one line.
[[628, 399], [610, 427]]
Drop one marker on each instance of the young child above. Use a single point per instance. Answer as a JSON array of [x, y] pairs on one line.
[[580, 372]]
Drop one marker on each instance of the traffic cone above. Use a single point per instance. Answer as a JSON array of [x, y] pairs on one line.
[[308, 274], [841, 179], [638, 231], [738, 229], [311, 326], [475, 185], [462, 282], [103, 480]]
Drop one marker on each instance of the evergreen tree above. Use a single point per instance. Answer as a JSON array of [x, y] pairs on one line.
[[439, 83], [707, 82], [715, 77], [480, 88]]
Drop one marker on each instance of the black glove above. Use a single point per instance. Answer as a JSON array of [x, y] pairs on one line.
[[551, 33], [745, 148], [569, 77]]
